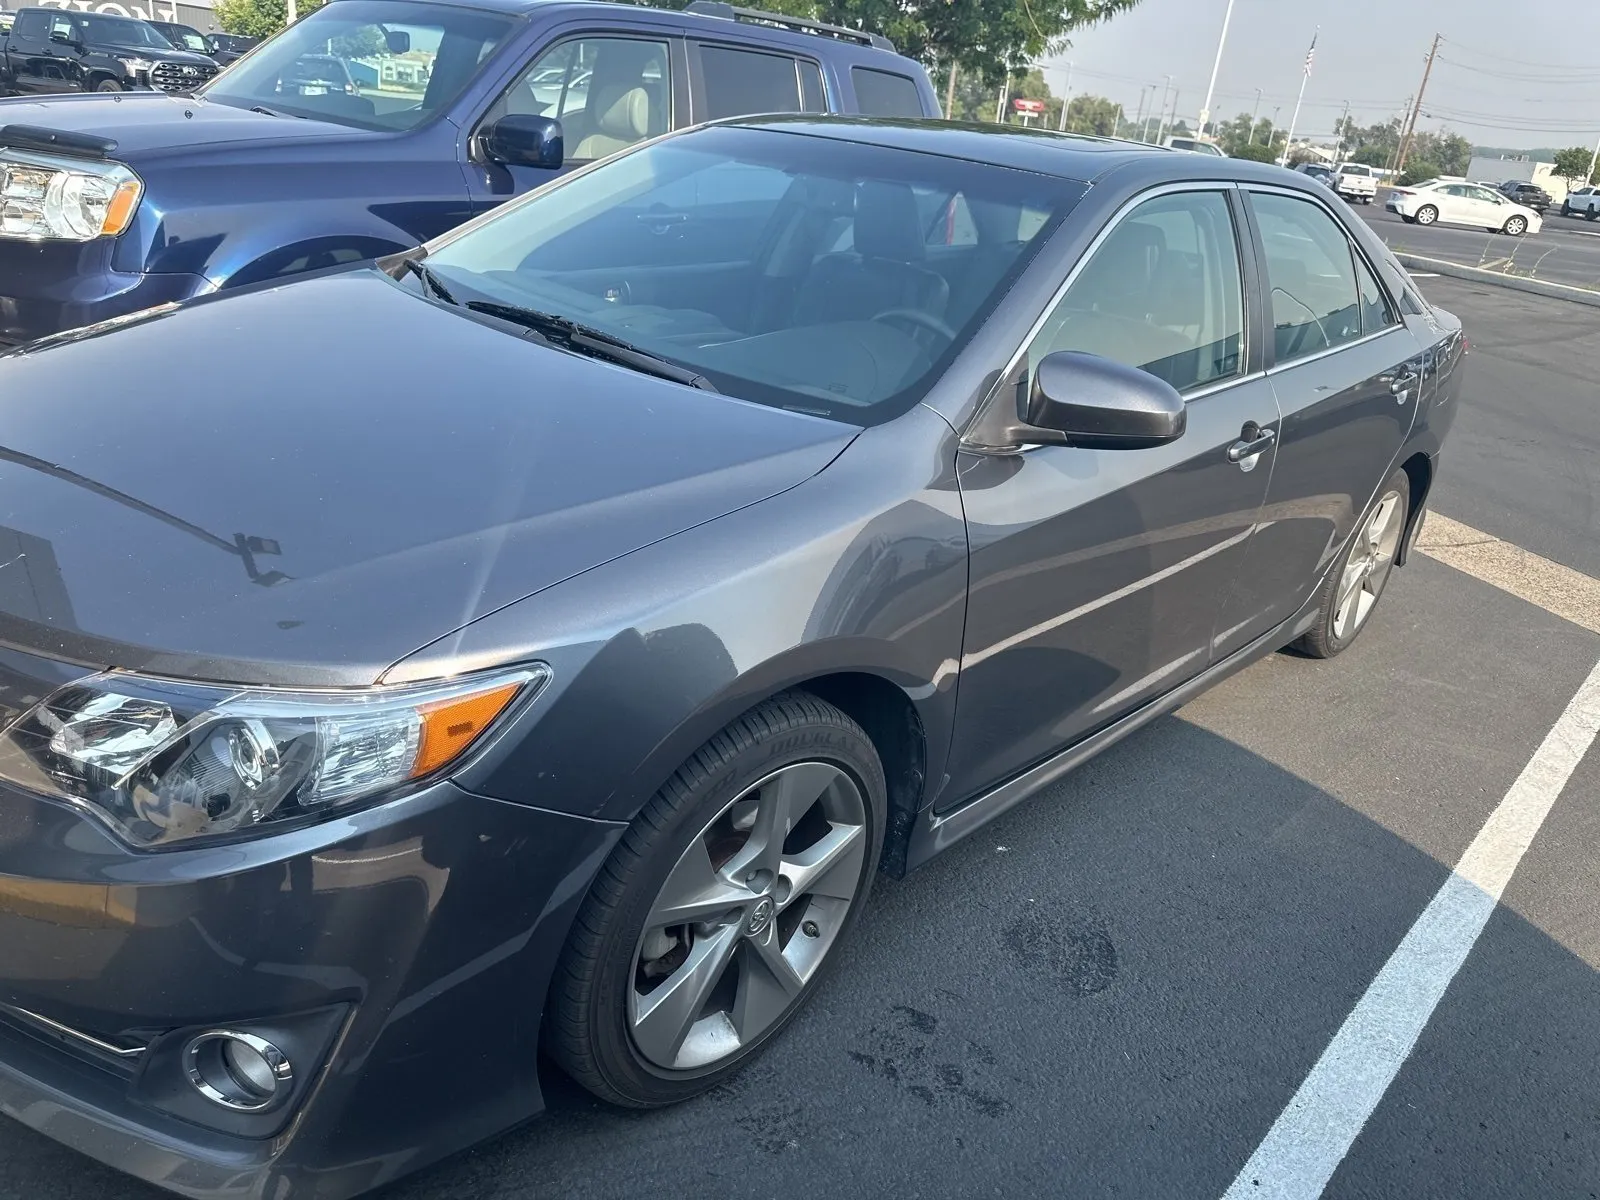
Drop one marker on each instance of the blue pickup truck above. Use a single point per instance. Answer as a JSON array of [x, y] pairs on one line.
[[374, 125]]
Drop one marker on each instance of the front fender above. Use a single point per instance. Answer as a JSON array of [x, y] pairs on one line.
[[860, 570], [241, 218]]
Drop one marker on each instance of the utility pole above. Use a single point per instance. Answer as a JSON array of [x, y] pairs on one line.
[[1139, 116], [1000, 104], [1160, 115], [1416, 109], [1255, 115], [290, 15], [1344, 129], [1066, 99], [1394, 155], [1216, 65], [1168, 119], [1593, 159], [950, 94]]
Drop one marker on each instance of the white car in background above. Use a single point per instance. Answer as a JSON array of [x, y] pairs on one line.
[[1457, 202]]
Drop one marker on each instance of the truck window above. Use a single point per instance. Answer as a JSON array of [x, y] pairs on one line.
[[607, 92], [812, 96], [885, 94], [34, 24], [737, 82]]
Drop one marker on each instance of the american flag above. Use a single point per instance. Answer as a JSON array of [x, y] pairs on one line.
[[1311, 53]]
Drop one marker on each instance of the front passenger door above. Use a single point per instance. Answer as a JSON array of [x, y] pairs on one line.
[[1098, 576]]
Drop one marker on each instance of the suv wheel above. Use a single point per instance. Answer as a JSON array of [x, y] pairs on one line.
[[711, 924]]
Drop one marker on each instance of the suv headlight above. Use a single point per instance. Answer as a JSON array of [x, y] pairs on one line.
[[137, 64], [162, 762], [70, 199]]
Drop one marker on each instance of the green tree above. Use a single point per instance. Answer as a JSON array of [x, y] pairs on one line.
[[1372, 156], [1572, 164], [987, 38], [1093, 115], [257, 18], [1420, 169]]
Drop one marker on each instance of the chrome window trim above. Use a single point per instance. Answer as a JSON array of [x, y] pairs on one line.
[[1222, 186], [1277, 368]]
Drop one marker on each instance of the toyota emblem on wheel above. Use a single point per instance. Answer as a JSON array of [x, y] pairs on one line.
[[760, 917]]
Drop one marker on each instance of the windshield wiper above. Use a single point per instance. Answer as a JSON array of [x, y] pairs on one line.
[[575, 336], [429, 280], [272, 112]]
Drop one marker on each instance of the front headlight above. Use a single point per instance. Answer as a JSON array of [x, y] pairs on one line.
[[71, 199], [137, 64], [163, 762]]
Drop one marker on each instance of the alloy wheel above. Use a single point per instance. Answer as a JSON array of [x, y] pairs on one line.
[[1367, 568], [1427, 215], [747, 916]]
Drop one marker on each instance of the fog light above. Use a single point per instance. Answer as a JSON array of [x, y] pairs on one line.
[[239, 1071]]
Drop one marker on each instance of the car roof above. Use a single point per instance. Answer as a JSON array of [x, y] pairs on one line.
[[1068, 156]]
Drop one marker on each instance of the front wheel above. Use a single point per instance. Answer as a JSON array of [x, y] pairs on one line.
[[1351, 592], [1517, 226], [710, 925], [108, 85], [1427, 215], [1589, 213]]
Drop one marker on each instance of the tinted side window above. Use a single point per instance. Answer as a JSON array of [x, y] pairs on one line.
[[738, 82], [812, 96], [1161, 293], [884, 94], [1376, 314], [608, 93], [1312, 276], [62, 27], [32, 25]]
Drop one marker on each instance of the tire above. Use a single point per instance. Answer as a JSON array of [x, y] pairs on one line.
[[1517, 226], [1589, 213], [1426, 215], [1366, 565], [108, 85], [610, 1020], [1408, 220], [1366, 199], [1566, 209]]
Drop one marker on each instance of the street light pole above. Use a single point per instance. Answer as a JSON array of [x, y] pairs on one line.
[[1255, 117], [1593, 159], [1160, 115], [1138, 118], [1169, 119], [1216, 65], [1305, 78], [1066, 99]]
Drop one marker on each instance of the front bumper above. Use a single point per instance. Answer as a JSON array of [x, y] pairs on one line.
[[50, 287], [420, 933]]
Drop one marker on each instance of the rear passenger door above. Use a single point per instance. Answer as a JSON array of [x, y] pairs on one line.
[[1346, 373]]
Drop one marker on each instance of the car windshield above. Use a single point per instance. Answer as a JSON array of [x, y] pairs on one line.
[[184, 38], [798, 271], [369, 64], [120, 31]]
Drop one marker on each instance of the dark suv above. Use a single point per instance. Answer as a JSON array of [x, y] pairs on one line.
[[439, 110], [1529, 195]]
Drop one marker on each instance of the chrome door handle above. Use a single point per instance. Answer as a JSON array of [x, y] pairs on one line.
[[1249, 446], [1400, 385]]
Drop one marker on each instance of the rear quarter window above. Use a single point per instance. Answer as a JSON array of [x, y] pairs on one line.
[[885, 94]]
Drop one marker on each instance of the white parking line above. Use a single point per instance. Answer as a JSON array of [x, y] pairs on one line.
[[1313, 1134], [1558, 589]]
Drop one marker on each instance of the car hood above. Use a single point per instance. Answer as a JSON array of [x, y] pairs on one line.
[[305, 483], [150, 124]]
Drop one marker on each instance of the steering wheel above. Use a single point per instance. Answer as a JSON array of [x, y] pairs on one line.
[[919, 319]]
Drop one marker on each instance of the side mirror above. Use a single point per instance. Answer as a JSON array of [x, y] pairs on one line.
[[523, 140], [1084, 400], [398, 41]]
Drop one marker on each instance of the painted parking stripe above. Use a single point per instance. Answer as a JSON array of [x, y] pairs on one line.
[[1313, 1134], [1555, 588]]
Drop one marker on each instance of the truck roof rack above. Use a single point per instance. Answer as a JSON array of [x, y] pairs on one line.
[[755, 16]]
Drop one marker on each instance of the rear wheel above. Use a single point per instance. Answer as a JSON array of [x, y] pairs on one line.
[[711, 923], [1427, 215], [1351, 592], [1517, 226]]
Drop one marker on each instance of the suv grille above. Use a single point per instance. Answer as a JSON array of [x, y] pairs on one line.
[[179, 77]]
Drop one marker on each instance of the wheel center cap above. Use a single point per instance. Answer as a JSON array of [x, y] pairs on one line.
[[760, 917]]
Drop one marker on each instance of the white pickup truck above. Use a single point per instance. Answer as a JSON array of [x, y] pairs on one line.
[[1356, 182], [1586, 200]]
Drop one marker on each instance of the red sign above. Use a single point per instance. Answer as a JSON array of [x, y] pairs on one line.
[[1028, 106]]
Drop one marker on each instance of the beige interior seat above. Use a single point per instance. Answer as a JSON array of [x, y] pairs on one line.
[[619, 116]]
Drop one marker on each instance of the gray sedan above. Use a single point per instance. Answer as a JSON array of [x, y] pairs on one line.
[[546, 636]]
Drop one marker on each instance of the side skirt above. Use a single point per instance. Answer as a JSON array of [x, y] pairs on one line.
[[934, 832]]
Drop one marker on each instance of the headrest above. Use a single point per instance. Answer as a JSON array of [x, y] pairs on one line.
[[623, 112]]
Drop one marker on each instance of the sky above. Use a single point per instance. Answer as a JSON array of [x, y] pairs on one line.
[[1520, 82]]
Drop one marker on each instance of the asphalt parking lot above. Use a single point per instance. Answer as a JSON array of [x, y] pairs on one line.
[[1117, 989], [1566, 250]]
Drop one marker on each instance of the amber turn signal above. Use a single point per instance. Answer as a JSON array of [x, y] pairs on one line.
[[450, 726]]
